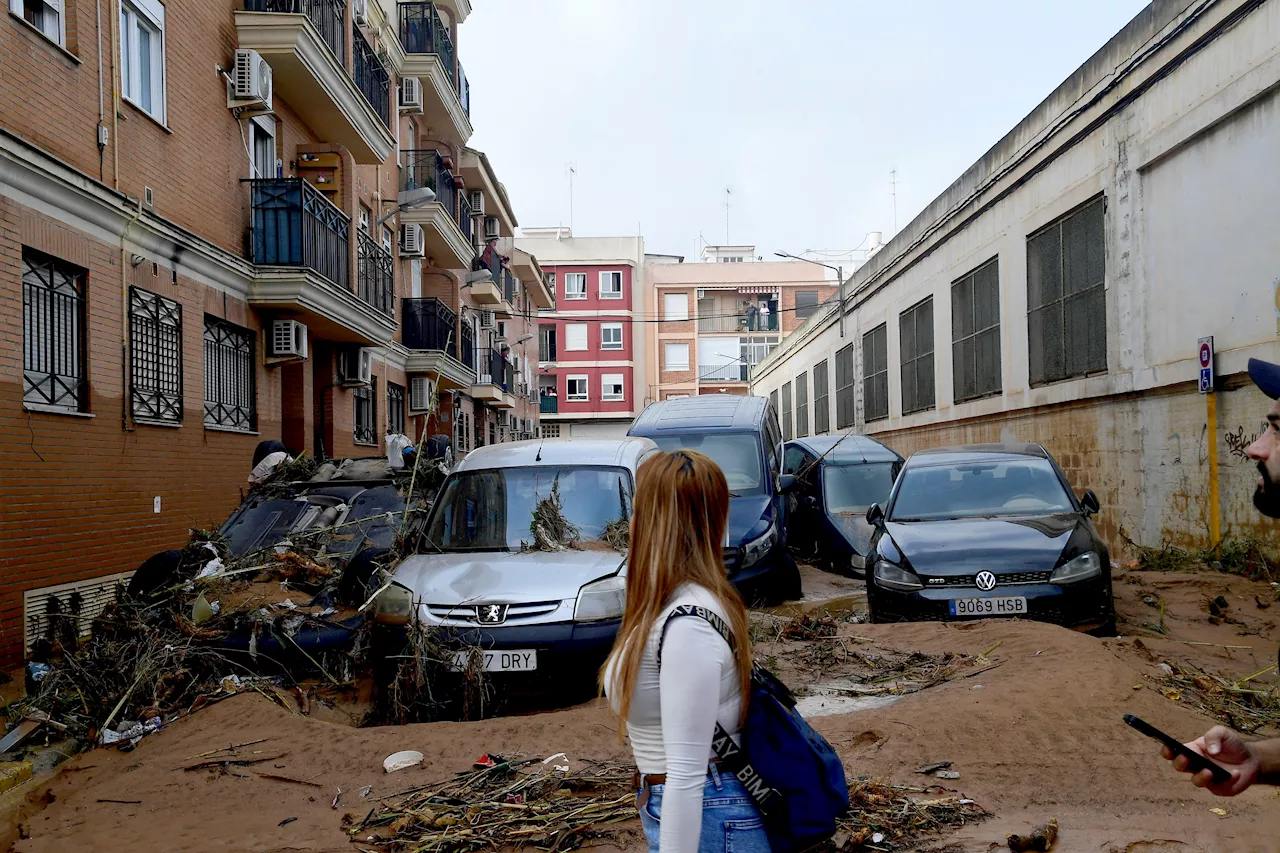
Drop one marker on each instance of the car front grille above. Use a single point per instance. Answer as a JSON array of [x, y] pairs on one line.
[[1010, 579], [515, 613]]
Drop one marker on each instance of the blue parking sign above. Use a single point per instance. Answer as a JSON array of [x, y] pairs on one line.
[[1206, 380]]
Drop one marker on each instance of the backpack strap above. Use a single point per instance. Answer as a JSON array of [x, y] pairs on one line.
[[705, 613]]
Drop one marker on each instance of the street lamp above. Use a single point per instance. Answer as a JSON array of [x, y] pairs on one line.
[[839, 270]]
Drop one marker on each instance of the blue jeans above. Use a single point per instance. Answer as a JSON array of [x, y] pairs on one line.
[[730, 820]]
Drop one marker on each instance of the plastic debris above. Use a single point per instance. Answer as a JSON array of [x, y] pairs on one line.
[[1219, 812], [402, 760], [947, 774], [562, 768], [927, 769], [211, 568]]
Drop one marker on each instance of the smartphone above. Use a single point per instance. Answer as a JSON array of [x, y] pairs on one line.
[[1197, 761]]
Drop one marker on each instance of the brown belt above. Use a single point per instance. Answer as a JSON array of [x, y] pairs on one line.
[[638, 781]]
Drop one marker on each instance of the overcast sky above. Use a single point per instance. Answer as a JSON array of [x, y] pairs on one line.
[[800, 107]]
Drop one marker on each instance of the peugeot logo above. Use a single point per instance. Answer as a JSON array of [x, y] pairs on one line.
[[491, 614], [985, 581]]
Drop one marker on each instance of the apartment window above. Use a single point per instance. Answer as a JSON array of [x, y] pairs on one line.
[[575, 285], [547, 343], [366, 415], [155, 356], [915, 337], [610, 336], [786, 411], [575, 337], [975, 332], [551, 283], [821, 407], [493, 433], [53, 326], [142, 55], [611, 387], [395, 408], [576, 389], [611, 285], [802, 405], [262, 144], [806, 303], [845, 383], [229, 366], [675, 356], [875, 374], [44, 15], [675, 306], [363, 219], [1066, 297], [477, 432], [459, 429]]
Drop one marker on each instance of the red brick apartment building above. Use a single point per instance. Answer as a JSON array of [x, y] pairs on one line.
[[223, 221]]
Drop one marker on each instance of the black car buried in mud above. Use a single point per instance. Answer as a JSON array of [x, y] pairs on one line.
[[988, 531]]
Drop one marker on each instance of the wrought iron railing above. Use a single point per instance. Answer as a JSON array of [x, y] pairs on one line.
[[424, 167], [429, 324], [464, 90], [328, 16], [423, 31], [548, 405], [371, 77], [496, 370], [465, 222], [295, 225], [467, 346], [509, 287], [375, 274]]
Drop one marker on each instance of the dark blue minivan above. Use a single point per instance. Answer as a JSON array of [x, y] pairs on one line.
[[742, 436]]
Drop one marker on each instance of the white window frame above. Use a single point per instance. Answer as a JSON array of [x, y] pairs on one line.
[[575, 278], [610, 277], [609, 345], [568, 337], [667, 366], [150, 13], [680, 312], [18, 9], [585, 396], [617, 379], [262, 126], [365, 217]]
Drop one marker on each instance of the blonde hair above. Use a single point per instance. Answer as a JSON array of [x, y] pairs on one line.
[[677, 537]]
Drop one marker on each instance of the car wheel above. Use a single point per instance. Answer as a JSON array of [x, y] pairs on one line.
[[786, 584], [157, 572]]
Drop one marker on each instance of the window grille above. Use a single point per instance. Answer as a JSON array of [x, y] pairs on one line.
[[821, 404], [786, 411], [802, 405], [845, 383], [915, 330], [1066, 297], [366, 414], [155, 337], [53, 325], [975, 333], [395, 408], [875, 374], [229, 381]]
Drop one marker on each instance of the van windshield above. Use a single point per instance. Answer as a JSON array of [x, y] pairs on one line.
[[853, 488], [737, 454], [493, 510]]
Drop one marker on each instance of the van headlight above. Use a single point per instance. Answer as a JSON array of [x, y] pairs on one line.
[[894, 577], [755, 550], [601, 600], [1087, 565], [394, 605]]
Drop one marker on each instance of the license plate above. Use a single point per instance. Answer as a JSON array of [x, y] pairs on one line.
[[1006, 606], [516, 660]]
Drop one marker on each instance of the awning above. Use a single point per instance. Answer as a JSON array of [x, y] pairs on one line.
[[767, 288]]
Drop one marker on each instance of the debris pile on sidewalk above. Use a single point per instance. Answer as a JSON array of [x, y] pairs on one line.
[[888, 817], [1235, 704]]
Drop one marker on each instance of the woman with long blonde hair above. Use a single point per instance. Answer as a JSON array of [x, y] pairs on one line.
[[669, 704]]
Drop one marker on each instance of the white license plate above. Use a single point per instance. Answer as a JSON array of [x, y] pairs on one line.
[[1006, 606], [516, 660]]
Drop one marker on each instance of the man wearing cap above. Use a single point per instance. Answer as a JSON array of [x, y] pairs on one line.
[[1256, 762]]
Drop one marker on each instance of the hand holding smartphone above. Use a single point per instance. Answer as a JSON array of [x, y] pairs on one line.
[[1196, 761]]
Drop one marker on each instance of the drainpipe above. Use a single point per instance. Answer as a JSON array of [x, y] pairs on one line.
[[101, 110], [115, 100], [125, 266]]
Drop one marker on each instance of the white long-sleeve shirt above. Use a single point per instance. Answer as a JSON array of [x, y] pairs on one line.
[[674, 711]]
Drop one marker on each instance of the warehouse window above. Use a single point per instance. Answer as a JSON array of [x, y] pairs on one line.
[[366, 414], [786, 411], [395, 408], [915, 339], [845, 381], [875, 374], [155, 355], [229, 393], [975, 333], [821, 406], [142, 55], [1066, 297], [53, 327], [802, 405], [806, 303]]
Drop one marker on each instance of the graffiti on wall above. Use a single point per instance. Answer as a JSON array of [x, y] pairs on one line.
[[1238, 442]]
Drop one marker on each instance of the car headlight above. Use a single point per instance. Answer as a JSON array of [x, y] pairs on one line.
[[890, 576], [1087, 565], [394, 605], [601, 600], [755, 550]]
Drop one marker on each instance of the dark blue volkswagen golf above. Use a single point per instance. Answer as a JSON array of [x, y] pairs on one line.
[[988, 531]]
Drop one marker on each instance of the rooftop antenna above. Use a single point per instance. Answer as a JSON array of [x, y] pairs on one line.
[[727, 193], [572, 171], [893, 184]]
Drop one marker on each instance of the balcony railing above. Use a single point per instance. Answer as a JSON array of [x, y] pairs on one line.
[[509, 287], [375, 275], [329, 17], [720, 372], [467, 347], [464, 90], [548, 405], [422, 31], [497, 370], [465, 222], [424, 167], [429, 324], [371, 77], [724, 321], [295, 225]]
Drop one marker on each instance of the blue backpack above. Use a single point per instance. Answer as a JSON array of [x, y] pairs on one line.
[[792, 773]]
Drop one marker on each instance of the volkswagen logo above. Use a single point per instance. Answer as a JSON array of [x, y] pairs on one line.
[[985, 581], [496, 614]]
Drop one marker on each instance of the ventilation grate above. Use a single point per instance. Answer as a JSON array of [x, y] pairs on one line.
[[57, 611]]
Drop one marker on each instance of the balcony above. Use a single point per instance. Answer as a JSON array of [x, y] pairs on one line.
[[446, 242], [495, 383], [425, 50], [371, 77], [489, 293], [302, 247], [428, 328], [375, 275], [548, 405], [304, 41]]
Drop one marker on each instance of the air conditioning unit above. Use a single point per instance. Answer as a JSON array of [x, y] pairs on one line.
[[487, 320], [251, 80], [288, 339], [477, 201], [422, 389], [360, 12], [355, 366], [411, 96], [491, 228], [411, 241]]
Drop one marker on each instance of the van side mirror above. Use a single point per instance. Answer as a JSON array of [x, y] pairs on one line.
[[1090, 502], [875, 515], [786, 483]]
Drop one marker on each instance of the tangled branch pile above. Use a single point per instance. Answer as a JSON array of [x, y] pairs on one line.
[[1243, 708], [888, 814], [414, 694], [550, 529], [1245, 557]]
